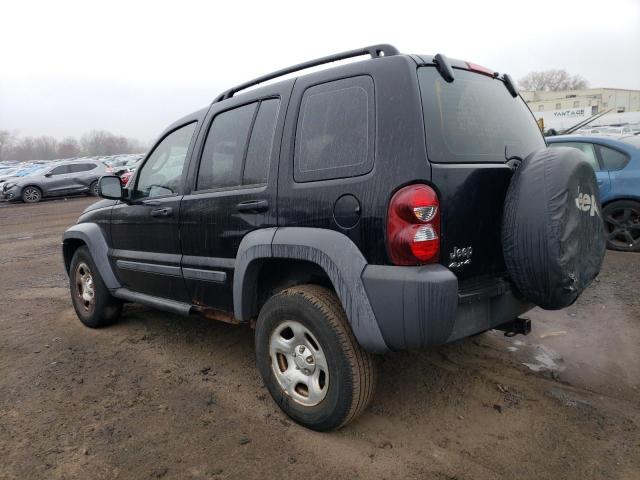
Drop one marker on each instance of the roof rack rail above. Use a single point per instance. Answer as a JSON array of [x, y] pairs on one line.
[[381, 50]]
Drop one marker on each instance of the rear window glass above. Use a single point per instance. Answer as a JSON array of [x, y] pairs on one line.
[[612, 159], [334, 136], [475, 119]]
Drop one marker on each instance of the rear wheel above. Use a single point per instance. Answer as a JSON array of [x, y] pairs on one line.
[[309, 359], [93, 189], [31, 194], [93, 303], [622, 225]]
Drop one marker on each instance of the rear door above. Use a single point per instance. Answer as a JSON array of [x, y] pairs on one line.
[[82, 176], [57, 180], [233, 185], [473, 127]]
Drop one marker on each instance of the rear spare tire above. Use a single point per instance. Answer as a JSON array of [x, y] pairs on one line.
[[552, 230]]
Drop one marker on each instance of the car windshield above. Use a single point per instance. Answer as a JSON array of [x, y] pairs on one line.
[[475, 119], [29, 171]]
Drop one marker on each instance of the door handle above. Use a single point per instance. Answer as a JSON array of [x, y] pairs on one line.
[[253, 206], [162, 212]]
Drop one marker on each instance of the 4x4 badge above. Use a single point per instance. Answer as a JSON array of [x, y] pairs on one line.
[[587, 203], [460, 257]]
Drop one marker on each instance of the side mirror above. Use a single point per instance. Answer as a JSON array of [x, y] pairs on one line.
[[109, 187]]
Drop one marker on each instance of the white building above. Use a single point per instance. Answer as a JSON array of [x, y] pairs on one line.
[[565, 108]]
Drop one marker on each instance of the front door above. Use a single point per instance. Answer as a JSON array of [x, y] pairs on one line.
[[233, 190], [145, 249]]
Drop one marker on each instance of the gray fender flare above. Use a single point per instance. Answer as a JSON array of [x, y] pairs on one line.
[[334, 252], [92, 236]]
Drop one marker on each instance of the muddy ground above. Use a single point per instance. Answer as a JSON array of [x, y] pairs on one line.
[[159, 396]]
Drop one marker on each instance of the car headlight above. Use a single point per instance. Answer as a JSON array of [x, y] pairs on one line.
[[8, 186]]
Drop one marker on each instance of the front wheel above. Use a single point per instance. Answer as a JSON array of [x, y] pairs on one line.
[[309, 359], [93, 303], [31, 194], [622, 225], [93, 189]]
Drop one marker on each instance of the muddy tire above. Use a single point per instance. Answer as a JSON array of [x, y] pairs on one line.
[[622, 225], [31, 194], [93, 303], [309, 359]]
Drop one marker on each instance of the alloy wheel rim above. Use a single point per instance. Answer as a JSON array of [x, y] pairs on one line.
[[623, 227], [31, 194], [85, 287], [298, 363]]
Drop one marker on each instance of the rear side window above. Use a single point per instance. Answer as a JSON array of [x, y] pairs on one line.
[[256, 165], [475, 119], [238, 146], [587, 148], [335, 131], [81, 167], [612, 159]]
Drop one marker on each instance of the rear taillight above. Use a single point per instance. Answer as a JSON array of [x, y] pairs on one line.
[[413, 226]]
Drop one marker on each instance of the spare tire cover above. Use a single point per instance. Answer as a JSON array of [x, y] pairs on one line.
[[552, 231]]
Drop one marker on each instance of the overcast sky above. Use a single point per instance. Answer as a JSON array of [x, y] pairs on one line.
[[134, 67]]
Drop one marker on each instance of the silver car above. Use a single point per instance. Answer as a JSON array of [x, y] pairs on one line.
[[57, 179]]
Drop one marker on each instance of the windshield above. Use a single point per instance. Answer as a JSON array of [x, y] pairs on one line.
[[29, 171], [475, 119]]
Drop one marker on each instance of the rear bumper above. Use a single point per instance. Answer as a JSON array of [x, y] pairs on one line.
[[419, 307]]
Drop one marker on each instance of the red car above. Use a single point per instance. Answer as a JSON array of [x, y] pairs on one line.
[[125, 177]]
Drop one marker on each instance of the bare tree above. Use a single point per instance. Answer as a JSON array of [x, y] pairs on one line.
[[94, 143], [68, 147], [6, 143], [45, 148], [101, 142], [552, 81]]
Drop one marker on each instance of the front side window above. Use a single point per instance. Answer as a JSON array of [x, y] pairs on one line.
[[612, 159], [587, 148], [161, 174], [60, 170], [335, 131]]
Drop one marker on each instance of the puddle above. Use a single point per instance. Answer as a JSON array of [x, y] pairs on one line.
[[546, 359]]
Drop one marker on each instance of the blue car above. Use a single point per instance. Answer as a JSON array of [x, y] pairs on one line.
[[616, 162]]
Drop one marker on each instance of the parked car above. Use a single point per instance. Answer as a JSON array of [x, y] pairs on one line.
[[616, 163], [54, 179], [387, 204], [128, 171]]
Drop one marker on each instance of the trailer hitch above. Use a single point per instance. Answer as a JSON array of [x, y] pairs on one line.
[[516, 326]]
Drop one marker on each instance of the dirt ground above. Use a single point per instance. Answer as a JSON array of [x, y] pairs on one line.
[[160, 396]]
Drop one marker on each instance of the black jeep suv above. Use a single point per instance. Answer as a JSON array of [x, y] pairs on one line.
[[398, 202]]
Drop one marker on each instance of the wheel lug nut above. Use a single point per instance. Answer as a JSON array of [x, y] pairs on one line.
[[309, 359], [301, 349]]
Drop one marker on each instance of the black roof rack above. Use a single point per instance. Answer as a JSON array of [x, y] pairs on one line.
[[382, 50]]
